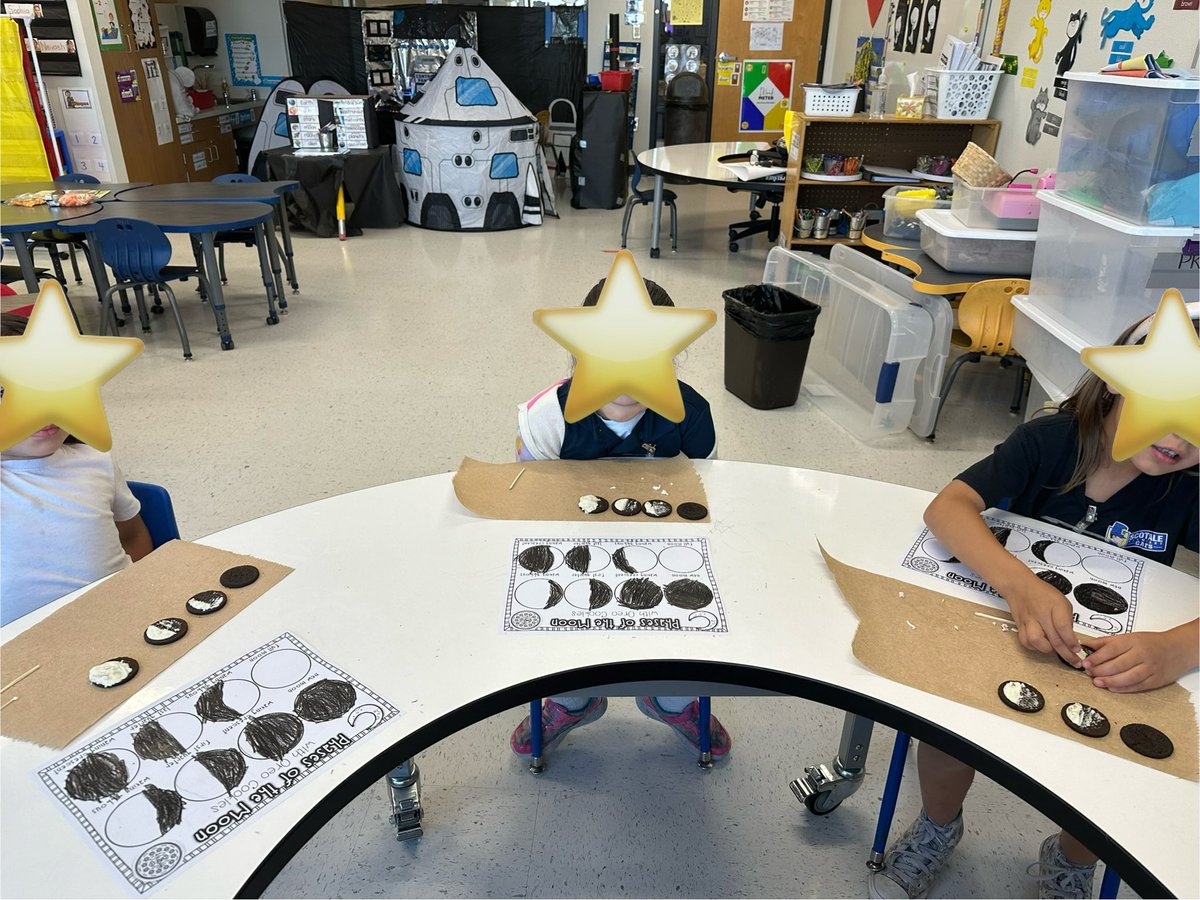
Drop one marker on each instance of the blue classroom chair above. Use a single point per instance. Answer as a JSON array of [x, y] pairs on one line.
[[157, 512], [51, 237], [243, 236]]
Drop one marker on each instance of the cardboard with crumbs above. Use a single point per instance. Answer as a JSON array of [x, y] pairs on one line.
[[902, 627], [549, 490], [57, 703]]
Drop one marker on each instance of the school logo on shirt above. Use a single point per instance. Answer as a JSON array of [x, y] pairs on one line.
[[1153, 541]]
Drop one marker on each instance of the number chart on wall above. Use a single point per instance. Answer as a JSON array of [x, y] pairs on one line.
[[612, 584], [1101, 585], [164, 786]]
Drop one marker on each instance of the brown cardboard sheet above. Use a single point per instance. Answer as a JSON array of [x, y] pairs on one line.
[[549, 490], [937, 644], [57, 703]]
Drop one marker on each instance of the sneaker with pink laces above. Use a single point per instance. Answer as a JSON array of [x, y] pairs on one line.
[[687, 725], [557, 723]]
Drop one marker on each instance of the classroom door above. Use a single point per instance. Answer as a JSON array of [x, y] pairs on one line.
[[760, 65]]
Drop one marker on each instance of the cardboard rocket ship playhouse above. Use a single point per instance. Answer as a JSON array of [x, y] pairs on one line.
[[471, 159]]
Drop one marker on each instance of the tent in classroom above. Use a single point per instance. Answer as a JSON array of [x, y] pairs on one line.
[[272, 129], [470, 155]]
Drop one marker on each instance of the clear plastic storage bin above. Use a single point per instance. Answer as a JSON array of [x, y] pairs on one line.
[[1049, 346], [1007, 208], [1098, 273], [1122, 136], [975, 251], [868, 345], [900, 213]]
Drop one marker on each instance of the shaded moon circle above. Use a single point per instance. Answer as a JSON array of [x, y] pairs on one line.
[[687, 593], [540, 558], [1107, 569], [588, 593], [1100, 599], [633, 558], [281, 668], [538, 593], [1055, 553], [134, 822], [194, 782], [184, 727], [680, 558], [587, 558], [639, 593], [1018, 541]]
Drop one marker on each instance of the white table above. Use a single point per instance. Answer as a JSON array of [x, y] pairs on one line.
[[377, 574], [696, 163]]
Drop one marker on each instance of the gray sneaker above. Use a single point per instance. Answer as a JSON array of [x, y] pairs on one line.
[[1057, 877], [913, 861]]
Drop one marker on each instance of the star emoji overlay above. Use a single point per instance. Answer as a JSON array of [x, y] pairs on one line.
[[1160, 380], [52, 374], [624, 344]]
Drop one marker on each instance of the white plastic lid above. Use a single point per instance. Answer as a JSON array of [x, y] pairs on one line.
[[1029, 307], [1168, 84], [945, 223], [1057, 200]]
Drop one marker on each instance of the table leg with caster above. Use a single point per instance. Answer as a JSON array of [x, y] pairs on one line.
[[216, 293], [656, 216], [285, 231], [705, 715], [824, 787], [404, 789], [276, 269], [887, 808], [536, 764], [264, 265]]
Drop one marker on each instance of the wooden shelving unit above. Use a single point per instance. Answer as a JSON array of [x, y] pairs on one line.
[[887, 141]]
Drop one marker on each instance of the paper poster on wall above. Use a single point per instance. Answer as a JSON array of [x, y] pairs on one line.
[[1029, 77], [766, 36], [164, 786], [874, 7], [767, 10], [245, 69], [687, 12], [108, 26], [929, 24], [1121, 51], [127, 86], [76, 98], [899, 23], [868, 54], [725, 73], [766, 94], [912, 30], [157, 92], [1135, 18], [143, 25]]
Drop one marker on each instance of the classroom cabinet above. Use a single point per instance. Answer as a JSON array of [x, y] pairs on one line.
[[208, 147], [886, 141]]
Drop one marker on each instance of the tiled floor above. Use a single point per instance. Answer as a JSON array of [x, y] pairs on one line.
[[406, 351]]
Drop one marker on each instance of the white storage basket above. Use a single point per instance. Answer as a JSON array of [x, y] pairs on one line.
[[832, 102], [961, 95]]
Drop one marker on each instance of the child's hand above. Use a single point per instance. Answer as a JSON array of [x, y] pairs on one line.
[[1045, 621], [1140, 661]]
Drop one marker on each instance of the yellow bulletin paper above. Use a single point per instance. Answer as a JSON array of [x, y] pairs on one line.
[[687, 12]]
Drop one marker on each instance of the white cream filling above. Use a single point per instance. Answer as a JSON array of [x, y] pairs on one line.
[[158, 632], [624, 504], [656, 507], [1083, 716], [109, 673], [589, 503]]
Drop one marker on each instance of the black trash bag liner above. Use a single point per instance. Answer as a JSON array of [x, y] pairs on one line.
[[770, 313]]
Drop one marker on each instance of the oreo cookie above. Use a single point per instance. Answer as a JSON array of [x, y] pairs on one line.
[[1147, 740], [206, 603], [165, 631], [692, 511], [113, 672], [239, 577], [1021, 696], [1101, 599], [656, 509], [1056, 580], [593, 505], [1088, 650], [626, 506], [1086, 720]]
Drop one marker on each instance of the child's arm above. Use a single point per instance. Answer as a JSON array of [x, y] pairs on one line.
[[135, 538], [1043, 615], [1144, 660]]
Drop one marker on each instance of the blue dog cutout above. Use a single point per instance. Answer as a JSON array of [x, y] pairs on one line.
[[1132, 19]]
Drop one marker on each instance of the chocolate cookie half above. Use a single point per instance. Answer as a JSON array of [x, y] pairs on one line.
[[1021, 696], [206, 602], [113, 672], [1086, 720], [1147, 740], [165, 631], [693, 511], [239, 576], [593, 505], [656, 509], [626, 506]]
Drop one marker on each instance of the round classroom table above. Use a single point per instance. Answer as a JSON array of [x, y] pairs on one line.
[[10, 189], [231, 192], [203, 220], [18, 223], [405, 589], [927, 276]]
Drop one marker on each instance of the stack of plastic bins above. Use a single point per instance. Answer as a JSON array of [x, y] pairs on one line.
[[1126, 141], [977, 251], [1093, 276], [869, 343], [927, 383]]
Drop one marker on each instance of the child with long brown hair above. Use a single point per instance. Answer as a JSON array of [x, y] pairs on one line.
[[1058, 468]]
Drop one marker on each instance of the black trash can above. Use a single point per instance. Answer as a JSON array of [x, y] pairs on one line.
[[767, 334], [685, 116]]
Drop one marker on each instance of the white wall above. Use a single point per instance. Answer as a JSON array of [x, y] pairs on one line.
[[1174, 31], [263, 18]]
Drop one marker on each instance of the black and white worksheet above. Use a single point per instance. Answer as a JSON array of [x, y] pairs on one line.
[[1101, 584], [612, 584], [167, 784]]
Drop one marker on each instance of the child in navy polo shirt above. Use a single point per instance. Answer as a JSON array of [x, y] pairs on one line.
[[1060, 469], [622, 427]]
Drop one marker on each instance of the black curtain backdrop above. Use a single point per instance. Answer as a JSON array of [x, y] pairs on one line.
[[326, 42]]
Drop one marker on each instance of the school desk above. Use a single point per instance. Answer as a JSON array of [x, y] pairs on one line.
[[374, 569]]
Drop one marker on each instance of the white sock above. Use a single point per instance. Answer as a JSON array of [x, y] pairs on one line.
[[673, 705], [573, 704]]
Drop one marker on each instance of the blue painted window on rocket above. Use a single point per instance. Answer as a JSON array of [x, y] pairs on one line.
[[473, 92], [504, 165], [412, 162]]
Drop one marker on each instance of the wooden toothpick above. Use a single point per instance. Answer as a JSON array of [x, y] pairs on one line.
[[8, 701], [518, 478], [20, 677], [996, 619]]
